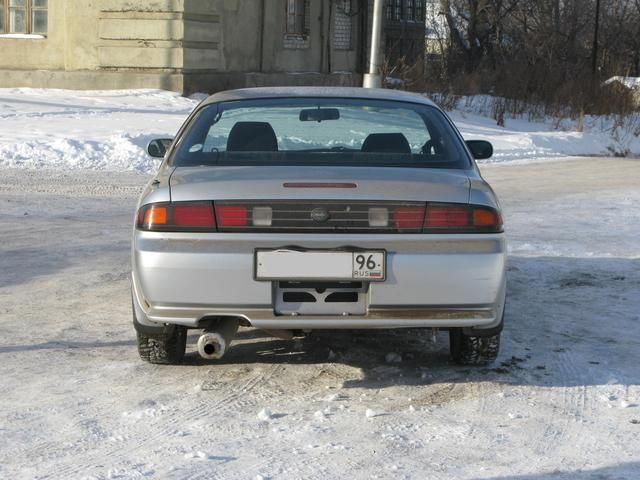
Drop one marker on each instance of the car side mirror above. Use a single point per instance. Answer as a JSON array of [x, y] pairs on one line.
[[480, 149], [158, 148]]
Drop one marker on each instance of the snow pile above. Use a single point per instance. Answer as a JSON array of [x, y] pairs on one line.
[[109, 130], [525, 138], [629, 82], [265, 415], [97, 130]]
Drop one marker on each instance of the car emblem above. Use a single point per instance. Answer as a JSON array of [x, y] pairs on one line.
[[319, 215]]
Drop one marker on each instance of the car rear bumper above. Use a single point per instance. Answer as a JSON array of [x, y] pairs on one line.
[[432, 280]]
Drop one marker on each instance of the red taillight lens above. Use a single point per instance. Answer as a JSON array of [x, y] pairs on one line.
[[462, 218], [405, 218], [231, 216], [447, 216], [193, 215], [181, 216]]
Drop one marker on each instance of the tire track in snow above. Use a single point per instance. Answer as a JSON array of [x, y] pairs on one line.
[[166, 428]]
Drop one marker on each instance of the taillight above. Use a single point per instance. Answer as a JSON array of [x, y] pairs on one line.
[[176, 217], [447, 216], [231, 216], [357, 217], [451, 217], [193, 215], [407, 218], [485, 217]]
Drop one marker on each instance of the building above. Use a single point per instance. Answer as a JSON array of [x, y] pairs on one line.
[[189, 45], [625, 90]]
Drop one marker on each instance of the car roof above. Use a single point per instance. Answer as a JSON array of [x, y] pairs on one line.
[[317, 92]]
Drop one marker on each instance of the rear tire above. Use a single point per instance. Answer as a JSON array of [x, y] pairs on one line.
[[473, 350], [166, 348]]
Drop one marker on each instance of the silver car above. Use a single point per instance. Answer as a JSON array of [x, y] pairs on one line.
[[295, 209]]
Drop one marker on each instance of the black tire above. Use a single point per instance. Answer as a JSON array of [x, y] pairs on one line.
[[166, 348], [473, 350]]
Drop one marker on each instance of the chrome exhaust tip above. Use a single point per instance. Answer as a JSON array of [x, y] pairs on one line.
[[212, 346]]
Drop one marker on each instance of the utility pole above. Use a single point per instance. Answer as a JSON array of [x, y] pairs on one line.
[[373, 79], [594, 59]]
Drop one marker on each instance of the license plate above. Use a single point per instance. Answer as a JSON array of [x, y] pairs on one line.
[[286, 264]]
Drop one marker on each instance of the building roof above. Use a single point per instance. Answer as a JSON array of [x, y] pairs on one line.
[[318, 92]]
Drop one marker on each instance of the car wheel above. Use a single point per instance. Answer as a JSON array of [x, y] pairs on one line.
[[473, 350], [165, 348]]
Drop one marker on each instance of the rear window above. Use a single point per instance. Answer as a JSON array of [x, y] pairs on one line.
[[320, 131]]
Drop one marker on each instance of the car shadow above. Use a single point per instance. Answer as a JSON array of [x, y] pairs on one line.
[[623, 471], [65, 345], [569, 322]]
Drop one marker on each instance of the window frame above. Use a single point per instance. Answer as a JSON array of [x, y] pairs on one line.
[[345, 8], [419, 9], [29, 9], [299, 15], [197, 125]]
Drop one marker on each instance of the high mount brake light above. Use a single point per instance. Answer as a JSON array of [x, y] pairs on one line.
[[180, 216]]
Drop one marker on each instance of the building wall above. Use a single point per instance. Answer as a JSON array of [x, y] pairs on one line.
[[183, 45]]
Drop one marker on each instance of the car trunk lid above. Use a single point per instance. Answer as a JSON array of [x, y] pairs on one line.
[[319, 183]]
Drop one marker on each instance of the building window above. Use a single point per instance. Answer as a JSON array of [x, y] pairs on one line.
[[407, 10], [39, 16], [394, 10], [410, 10], [24, 16], [342, 28], [420, 11], [297, 23]]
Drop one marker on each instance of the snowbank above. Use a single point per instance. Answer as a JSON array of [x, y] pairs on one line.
[[524, 140], [98, 130], [109, 130]]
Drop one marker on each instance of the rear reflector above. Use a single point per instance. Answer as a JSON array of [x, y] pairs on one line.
[[231, 216]]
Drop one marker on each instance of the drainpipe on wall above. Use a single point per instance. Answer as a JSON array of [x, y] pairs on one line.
[[329, 36], [262, 19], [373, 79]]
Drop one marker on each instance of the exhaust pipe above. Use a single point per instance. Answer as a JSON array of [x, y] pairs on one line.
[[217, 337], [212, 346]]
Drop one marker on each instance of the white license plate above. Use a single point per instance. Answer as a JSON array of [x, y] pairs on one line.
[[320, 265]]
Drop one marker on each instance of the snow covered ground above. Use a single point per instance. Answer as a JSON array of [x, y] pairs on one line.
[[524, 140], [109, 130], [562, 401], [105, 130]]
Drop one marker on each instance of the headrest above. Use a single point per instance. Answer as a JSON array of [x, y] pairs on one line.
[[386, 143], [252, 137]]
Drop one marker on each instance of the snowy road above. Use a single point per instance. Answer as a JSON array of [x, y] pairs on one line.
[[563, 401]]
